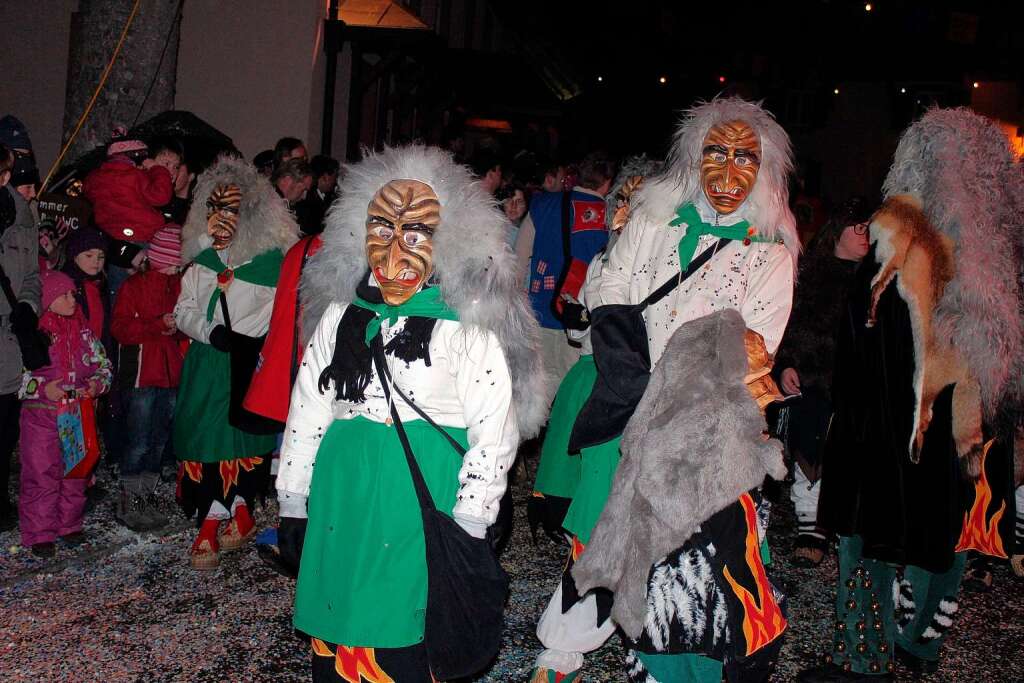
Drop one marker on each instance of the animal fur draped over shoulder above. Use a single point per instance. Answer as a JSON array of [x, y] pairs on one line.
[[693, 446], [264, 221], [767, 207], [473, 263], [951, 227]]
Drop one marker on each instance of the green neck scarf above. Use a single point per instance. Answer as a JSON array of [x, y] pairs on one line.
[[696, 228], [425, 303], [262, 270]]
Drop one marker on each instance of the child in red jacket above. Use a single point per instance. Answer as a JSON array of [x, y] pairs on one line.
[[143, 316]]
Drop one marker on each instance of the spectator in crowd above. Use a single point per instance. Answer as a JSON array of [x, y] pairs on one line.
[[176, 211], [289, 148], [264, 162], [311, 210], [806, 357], [486, 165], [127, 192], [25, 174], [20, 267], [51, 505], [144, 317], [292, 180], [552, 175], [557, 266]]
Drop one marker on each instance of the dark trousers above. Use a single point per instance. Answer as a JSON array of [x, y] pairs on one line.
[[10, 408], [150, 411]]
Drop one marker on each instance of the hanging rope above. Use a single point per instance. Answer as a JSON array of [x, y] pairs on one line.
[[95, 96]]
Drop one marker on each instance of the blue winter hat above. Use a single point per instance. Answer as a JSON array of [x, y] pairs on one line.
[[14, 134]]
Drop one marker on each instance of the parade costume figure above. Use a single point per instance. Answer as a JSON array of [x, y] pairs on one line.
[[414, 258], [558, 472], [236, 235], [726, 178], [917, 465]]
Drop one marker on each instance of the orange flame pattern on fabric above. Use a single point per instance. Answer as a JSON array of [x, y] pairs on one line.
[[979, 533], [762, 619], [229, 470], [353, 664], [577, 548], [193, 469]]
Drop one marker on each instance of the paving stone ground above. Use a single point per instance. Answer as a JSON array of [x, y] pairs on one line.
[[126, 607]]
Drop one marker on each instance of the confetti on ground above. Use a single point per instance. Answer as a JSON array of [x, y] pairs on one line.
[[127, 607]]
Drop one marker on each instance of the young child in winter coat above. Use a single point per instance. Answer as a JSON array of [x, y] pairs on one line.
[[128, 189], [144, 317], [84, 258], [50, 505]]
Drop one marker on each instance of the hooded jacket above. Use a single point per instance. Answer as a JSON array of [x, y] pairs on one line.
[[125, 199]]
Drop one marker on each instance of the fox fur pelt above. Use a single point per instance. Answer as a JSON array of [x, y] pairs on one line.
[[694, 445], [949, 234]]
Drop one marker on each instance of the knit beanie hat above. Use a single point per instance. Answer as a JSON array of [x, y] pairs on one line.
[[55, 284], [84, 239], [25, 171], [120, 143], [14, 134], [164, 248]]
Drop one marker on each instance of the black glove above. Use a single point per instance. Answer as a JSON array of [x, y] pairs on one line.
[[575, 316], [290, 534], [24, 320], [219, 338]]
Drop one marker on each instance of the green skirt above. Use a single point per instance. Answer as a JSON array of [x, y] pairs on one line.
[[202, 432], [363, 575], [597, 472], [558, 473]]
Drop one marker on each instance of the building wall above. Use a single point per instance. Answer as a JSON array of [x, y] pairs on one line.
[[254, 69], [33, 69]]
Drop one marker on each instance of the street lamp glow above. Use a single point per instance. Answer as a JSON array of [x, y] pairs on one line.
[[663, 80], [868, 7], [976, 84], [600, 79], [903, 90], [835, 91]]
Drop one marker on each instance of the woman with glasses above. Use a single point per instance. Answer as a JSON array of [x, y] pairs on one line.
[[805, 359]]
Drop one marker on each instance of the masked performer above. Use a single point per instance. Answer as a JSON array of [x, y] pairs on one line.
[[721, 203], [414, 258], [930, 354], [558, 472], [236, 234]]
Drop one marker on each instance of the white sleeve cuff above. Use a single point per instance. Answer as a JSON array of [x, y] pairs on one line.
[[291, 504], [473, 527]]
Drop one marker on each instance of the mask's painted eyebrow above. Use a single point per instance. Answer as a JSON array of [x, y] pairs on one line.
[[418, 227], [715, 148], [381, 220]]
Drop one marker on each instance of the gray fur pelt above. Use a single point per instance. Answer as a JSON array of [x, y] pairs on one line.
[[473, 264], [264, 221], [767, 206], [693, 446], [959, 164]]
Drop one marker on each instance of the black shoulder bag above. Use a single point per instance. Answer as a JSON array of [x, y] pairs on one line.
[[466, 585], [33, 344], [619, 337], [245, 354]]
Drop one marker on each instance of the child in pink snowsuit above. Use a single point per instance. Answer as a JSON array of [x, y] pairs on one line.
[[48, 504]]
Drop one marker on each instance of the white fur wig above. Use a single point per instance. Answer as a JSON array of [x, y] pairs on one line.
[[473, 263], [959, 165], [264, 221], [767, 207]]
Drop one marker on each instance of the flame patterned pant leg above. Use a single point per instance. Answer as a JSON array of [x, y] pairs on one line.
[[340, 664], [934, 597], [865, 609]]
